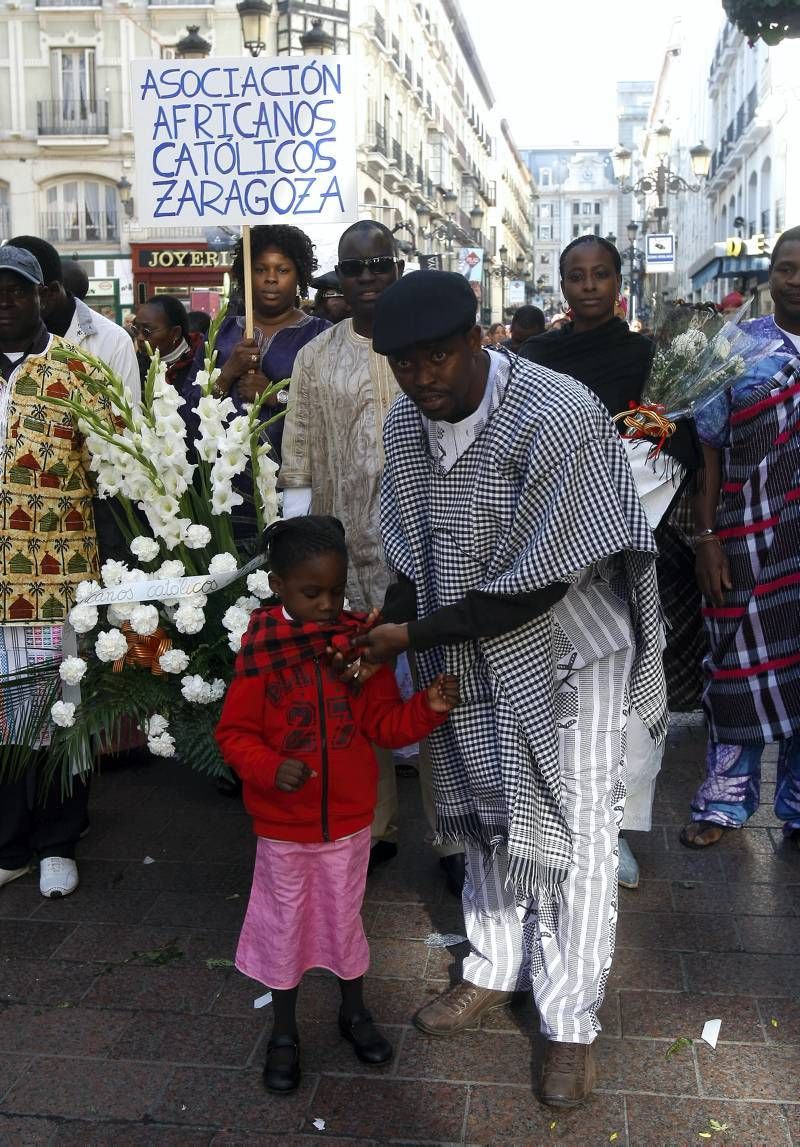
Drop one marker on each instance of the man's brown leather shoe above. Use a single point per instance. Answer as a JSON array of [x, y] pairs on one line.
[[459, 1008], [569, 1074]]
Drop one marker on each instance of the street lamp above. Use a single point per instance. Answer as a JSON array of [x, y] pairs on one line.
[[636, 258], [253, 16], [663, 180], [125, 189], [504, 271], [447, 229], [192, 46], [316, 41], [476, 222]]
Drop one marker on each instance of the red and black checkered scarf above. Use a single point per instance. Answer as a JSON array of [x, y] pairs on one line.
[[274, 642]]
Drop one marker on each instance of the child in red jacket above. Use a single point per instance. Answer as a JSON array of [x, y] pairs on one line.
[[300, 739]]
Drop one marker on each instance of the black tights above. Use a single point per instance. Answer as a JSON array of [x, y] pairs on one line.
[[284, 1005]]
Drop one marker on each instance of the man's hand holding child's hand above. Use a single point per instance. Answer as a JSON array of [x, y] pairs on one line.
[[443, 693]]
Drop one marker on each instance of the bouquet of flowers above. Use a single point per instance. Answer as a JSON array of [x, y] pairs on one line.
[[699, 354], [157, 635]]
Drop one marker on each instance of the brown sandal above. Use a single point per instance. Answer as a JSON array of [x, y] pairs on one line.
[[691, 839]]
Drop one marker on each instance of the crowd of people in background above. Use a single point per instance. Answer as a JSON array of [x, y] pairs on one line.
[[469, 495]]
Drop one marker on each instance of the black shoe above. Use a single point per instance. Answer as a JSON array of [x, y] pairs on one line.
[[454, 869], [381, 851], [283, 1075], [369, 1044]]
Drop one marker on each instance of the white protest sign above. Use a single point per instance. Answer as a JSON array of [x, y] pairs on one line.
[[239, 140]]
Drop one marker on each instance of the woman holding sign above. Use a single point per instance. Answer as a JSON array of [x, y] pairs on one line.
[[282, 263]]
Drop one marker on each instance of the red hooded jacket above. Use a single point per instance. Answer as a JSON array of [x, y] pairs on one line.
[[307, 714]]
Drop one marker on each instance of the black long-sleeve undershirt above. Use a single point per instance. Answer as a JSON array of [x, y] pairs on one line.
[[476, 615]]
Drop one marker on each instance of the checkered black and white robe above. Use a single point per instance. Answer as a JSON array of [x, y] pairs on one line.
[[544, 492]]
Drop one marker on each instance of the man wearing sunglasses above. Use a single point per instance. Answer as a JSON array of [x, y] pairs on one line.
[[332, 461]]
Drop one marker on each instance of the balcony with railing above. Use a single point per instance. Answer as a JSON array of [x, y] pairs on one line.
[[79, 225], [408, 72], [376, 139], [397, 55], [180, 3], [397, 154], [69, 3], [411, 168], [765, 221], [379, 28], [72, 117], [739, 129], [5, 222]]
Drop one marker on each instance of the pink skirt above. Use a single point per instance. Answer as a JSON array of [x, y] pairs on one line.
[[305, 911]]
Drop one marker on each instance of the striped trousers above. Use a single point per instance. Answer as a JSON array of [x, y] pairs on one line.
[[561, 945]]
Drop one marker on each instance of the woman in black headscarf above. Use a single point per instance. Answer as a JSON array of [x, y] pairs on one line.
[[603, 353]]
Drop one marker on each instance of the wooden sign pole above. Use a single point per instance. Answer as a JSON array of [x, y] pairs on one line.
[[248, 282]]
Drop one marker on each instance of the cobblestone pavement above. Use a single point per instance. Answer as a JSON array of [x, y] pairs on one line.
[[123, 1023]]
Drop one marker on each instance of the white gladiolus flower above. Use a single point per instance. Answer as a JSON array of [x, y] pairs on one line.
[[722, 348], [113, 572], [689, 344], [111, 645], [155, 725], [173, 661], [162, 746], [171, 569], [197, 537], [144, 619], [217, 689], [71, 670], [224, 498], [258, 583], [145, 549], [63, 714], [188, 619], [82, 618], [221, 564]]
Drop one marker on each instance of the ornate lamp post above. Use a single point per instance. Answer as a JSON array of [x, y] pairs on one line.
[[635, 258], [316, 41], [662, 181]]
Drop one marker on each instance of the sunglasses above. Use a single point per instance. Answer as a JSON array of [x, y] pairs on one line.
[[378, 264]]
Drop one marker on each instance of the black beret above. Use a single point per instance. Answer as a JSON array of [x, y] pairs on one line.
[[422, 307], [327, 282]]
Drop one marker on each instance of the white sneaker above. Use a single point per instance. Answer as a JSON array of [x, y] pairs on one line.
[[58, 876], [9, 874]]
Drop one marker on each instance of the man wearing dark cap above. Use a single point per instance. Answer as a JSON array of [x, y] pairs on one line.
[[47, 546], [333, 458], [329, 301], [525, 566]]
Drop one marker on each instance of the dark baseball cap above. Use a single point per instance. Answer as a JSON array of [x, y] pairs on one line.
[[21, 263], [422, 307]]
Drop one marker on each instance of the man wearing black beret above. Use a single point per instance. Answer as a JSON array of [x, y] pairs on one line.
[[525, 566]]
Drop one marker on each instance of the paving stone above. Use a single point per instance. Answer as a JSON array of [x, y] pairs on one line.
[[662, 1015], [325, 1051], [398, 958], [22, 1131], [770, 934], [416, 921], [45, 981], [786, 1014], [744, 1072], [763, 975], [115, 943], [642, 1065], [97, 905], [235, 1099], [31, 939], [673, 932], [180, 1038], [11, 1068], [112, 1134], [391, 1109], [678, 1122], [18, 901], [738, 898], [650, 896], [477, 1056], [38, 1030], [198, 909], [164, 989], [638, 968], [514, 1115], [92, 1088]]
